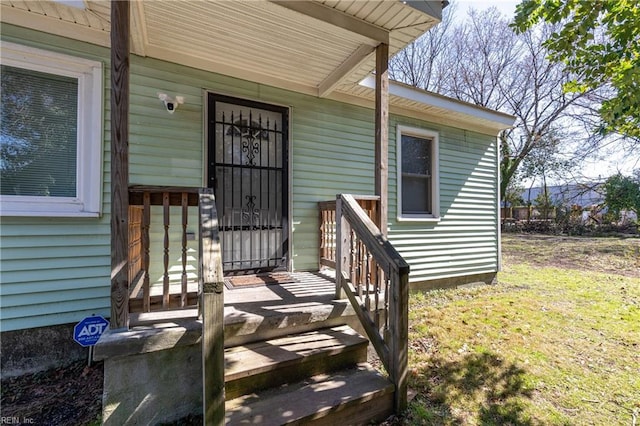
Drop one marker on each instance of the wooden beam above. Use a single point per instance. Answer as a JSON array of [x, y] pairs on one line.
[[119, 163], [382, 135], [212, 305], [336, 77], [337, 18], [139, 38]]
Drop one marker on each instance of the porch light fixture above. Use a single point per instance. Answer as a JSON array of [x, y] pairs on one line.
[[170, 103]]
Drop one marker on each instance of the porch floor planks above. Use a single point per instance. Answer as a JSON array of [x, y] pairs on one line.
[[306, 282], [259, 313]]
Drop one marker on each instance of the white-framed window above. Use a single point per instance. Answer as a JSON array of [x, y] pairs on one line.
[[50, 134], [418, 177]]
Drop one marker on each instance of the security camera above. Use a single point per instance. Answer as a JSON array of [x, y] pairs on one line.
[[169, 103]]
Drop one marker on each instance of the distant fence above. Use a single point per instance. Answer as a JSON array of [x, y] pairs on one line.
[[527, 213]]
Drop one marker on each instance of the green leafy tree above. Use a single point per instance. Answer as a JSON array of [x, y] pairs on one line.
[[513, 195], [544, 203], [622, 193], [599, 43]]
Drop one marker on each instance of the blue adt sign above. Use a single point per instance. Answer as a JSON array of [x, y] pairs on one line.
[[88, 331]]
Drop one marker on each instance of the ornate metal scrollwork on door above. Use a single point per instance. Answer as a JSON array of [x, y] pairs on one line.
[[248, 159], [252, 135], [250, 214]]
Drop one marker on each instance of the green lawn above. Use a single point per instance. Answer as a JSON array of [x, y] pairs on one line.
[[548, 345]]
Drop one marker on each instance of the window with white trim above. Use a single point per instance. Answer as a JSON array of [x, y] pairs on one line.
[[50, 134], [418, 185]]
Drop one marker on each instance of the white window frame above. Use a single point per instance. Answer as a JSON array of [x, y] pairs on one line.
[[435, 171], [88, 199]]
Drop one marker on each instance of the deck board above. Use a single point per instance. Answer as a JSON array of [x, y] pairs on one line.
[[266, 355], [267, 311]]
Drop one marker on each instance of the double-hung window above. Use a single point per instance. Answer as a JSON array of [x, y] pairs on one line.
[[418, 188], [50, 134]]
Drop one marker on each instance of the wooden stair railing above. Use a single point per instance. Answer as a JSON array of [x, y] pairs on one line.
[[369, 204], [375, 278]]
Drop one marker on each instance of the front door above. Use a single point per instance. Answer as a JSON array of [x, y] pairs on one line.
[[248, 169]]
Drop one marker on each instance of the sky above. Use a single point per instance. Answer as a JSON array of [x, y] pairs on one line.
[[595, 169], [506, 7]]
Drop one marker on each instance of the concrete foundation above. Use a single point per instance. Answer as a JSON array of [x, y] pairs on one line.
[[37, 349], [153, 387], [455, 282]]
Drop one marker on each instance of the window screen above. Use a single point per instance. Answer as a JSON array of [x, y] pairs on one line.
[[38, 137], [416, 175]]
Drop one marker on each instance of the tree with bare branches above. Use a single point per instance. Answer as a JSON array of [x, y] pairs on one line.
[[486, 63]]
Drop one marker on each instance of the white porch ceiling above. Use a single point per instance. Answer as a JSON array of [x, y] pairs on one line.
[[314, 46], [317, 47]]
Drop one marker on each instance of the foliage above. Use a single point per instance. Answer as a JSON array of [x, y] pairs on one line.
[[622, 193], [513, 195], [544, 204], [565, 224], [598, 42]]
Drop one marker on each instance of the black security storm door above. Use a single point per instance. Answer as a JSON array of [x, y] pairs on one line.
[[248, 169]]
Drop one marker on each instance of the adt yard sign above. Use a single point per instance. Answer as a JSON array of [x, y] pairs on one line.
[[88, 331]]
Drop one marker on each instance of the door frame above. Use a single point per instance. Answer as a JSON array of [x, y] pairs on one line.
[[288, 158]]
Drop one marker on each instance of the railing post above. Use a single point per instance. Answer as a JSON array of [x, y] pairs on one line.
[[399, 342], [185, 221], [166, 215], [343, 249], [146, 246], [212, 285]]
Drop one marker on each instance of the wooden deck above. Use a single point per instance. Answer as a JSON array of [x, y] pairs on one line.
[[265, 311]]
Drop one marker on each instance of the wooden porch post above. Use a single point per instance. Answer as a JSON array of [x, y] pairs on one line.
[[212, 305], [382, 134], [119, 163]]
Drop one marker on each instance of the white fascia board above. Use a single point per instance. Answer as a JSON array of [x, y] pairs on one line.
[[431, 99]]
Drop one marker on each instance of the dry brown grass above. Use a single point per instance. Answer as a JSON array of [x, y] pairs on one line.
[[556, 342], [612, 255]]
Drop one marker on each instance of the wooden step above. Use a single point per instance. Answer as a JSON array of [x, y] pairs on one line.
[[290, 359], [356, 396]]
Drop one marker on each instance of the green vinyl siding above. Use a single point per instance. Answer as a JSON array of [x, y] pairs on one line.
[[56, 270], [465, 239]]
